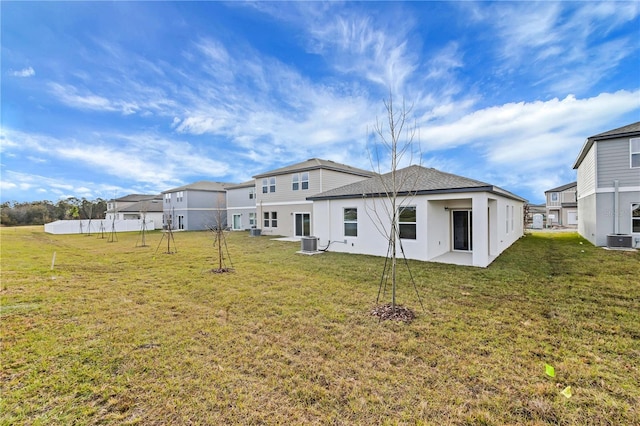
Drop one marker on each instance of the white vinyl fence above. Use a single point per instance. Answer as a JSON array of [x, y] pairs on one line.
[[96, 226]]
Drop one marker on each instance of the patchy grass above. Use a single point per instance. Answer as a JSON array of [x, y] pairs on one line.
[[118, 334]]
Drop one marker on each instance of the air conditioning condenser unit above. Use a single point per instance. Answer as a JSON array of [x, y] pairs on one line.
[[619, 241]]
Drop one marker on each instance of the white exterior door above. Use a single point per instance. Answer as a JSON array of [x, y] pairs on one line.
[[572, 218]]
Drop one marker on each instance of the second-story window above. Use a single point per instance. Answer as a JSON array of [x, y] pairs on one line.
[[272, 184], [554, 196], [252, 194], [167, 198], [265, 185], [635, 152], [179, 196], [300, 181]]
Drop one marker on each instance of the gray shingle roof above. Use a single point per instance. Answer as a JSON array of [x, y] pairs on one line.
[[136, 197], [562, 187], [149, 206], [313, 164], [247, 184], [629, 130], [412, 179], [203, 185], [620, 131]]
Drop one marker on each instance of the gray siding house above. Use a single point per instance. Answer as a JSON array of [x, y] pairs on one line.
[[241, 206], [195, 207], [562, 206], [121, 208], [608, 185], [281, 195]]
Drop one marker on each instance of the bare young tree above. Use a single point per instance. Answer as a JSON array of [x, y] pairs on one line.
[[396, 146], [220, 241]]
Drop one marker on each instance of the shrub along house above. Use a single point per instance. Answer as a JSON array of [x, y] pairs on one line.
[[442, 217]]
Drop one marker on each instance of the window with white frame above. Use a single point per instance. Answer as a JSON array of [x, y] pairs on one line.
[[167, 198], [252, 193], [554, 196], [300, 181], [270, 219], [506, 220], [635, 218], [407, 222], [350, 216], [252, 220], [511, 218], [634, 147], [265, 185], [272, 184], [179, 196]]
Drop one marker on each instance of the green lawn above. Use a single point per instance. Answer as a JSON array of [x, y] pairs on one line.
[[119, 334]]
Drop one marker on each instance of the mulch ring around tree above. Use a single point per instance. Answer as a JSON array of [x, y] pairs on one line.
[[388, 312]]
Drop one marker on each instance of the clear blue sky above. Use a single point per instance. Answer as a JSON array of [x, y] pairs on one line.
[[111, 98]]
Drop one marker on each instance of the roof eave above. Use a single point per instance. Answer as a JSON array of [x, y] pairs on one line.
[[490, 189], [315, 167]]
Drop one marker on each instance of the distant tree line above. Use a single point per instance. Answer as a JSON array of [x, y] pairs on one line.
[[13, 213]]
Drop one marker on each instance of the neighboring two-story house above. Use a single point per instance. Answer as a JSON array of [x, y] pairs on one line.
[[281, 195], [609, 185], [562, 206], [195, 207], [241, 206], [134, 207]]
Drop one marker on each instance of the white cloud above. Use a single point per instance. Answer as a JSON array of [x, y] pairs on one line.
[[581, 116], [5, 185], [570, 46], [141, 158], [25, 72], [521, 144], [68, 95]]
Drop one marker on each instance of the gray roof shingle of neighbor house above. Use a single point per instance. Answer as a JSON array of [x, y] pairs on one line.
[[316, 163], [247, 184], [562, 187], [149, 206], [413, 179], [203, 185], [137, 197], [629, 130]]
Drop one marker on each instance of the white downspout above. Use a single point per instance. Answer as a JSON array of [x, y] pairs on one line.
[[616, 199]]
